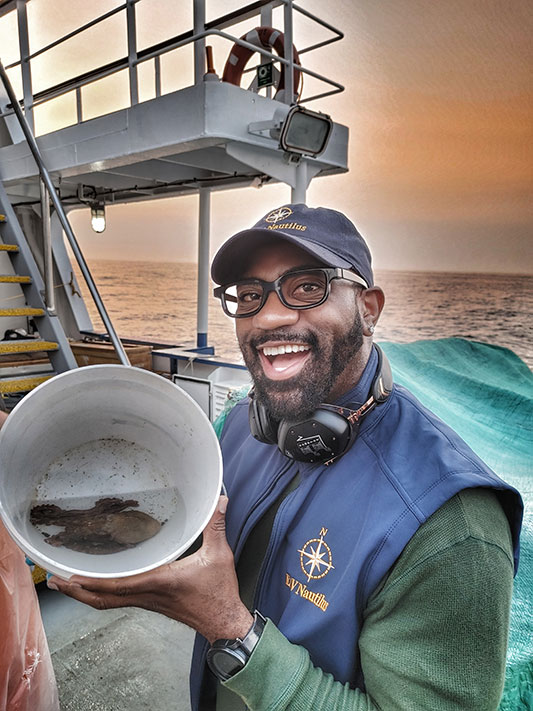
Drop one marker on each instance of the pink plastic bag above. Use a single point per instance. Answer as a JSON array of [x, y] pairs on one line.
[[27, 681]]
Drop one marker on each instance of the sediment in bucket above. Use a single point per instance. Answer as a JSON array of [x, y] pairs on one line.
[[109, 431]]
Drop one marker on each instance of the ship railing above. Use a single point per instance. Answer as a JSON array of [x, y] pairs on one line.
[[196, 37]]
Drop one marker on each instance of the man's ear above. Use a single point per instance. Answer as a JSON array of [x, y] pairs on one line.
[[372, 302]]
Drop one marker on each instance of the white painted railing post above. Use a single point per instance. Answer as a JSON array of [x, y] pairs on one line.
[[199, 45], [289, 71], [132, 52], [48, 268], [204, 220], [266, 21]]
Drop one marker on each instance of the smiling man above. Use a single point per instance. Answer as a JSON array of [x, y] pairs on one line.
[[366, 557], [298, 357]]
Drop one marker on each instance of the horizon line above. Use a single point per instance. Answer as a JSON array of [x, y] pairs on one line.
[[377, 269]]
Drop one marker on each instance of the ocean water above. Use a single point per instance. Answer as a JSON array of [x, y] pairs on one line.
[[157, 301]]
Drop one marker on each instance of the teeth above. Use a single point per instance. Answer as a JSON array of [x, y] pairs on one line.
[[287, 348]]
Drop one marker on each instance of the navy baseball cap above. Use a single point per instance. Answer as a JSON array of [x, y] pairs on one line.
[[326, 234]]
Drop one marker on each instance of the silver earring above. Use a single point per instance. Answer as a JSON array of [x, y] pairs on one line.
[[371, 328]]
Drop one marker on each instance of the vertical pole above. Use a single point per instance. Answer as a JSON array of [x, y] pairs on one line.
[[132, 52], [157, 75], [24, 46], [199, 45], [287, 32], [204, 219], [48, 270], [266, 21], [79, 108], [299, 190]]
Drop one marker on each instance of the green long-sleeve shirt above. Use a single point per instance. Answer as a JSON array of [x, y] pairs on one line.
[[434, 634]]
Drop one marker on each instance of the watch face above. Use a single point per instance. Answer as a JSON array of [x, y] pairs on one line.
[[224, 663], [226, 657]]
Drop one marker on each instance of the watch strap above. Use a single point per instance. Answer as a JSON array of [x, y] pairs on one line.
[[226, 657], [253, 635]]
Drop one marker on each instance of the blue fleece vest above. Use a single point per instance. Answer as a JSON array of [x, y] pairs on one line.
[[341, 530]]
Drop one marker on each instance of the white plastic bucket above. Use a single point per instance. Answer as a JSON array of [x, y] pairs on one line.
[[109, 431]]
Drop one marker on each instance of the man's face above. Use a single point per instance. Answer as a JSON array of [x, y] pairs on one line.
[[300, 358]]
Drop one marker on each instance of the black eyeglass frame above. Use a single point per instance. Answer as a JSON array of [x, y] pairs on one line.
[[268, 286]]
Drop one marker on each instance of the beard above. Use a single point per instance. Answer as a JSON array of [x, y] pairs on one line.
[[298, 397]]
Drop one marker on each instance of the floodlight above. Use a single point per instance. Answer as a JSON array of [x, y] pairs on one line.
[[305, 132]]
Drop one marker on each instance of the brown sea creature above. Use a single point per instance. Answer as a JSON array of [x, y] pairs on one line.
[[104, 528]]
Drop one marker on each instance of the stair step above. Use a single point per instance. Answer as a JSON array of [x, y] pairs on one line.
[[14, 279], [23, 311], [18, 384], [22, 369], [26, 345]]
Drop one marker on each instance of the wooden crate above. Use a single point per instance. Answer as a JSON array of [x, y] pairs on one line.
[[94, 353]]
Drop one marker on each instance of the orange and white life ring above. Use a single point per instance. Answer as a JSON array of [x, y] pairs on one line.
[[267, 38]]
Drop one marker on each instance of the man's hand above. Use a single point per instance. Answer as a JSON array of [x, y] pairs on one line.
[[201, 590], [3, 417]]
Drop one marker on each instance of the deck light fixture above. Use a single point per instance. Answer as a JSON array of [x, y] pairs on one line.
[[305, 132], [98, 216]]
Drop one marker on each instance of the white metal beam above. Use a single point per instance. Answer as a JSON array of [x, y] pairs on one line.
[[204, 221]]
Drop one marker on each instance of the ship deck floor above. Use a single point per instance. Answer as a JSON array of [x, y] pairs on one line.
[[116, 660]]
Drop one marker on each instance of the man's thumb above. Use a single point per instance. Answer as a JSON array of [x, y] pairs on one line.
[[216, 528], [222, 505]]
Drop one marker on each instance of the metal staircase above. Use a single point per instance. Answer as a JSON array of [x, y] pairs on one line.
[[16, 375]]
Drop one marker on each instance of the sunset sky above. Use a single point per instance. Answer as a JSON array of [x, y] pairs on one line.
[[438, 100]]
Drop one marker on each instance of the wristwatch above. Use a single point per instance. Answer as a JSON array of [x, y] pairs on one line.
[[228, 656]]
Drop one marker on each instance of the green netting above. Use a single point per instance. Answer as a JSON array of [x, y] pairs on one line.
[[233, 398], [486, 394]]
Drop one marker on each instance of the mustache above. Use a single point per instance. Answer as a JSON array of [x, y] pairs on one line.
[[286, 336]]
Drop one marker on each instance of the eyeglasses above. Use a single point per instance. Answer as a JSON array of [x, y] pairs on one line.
[[299, 289]]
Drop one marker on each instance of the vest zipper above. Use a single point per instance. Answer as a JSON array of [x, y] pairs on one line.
[[273, 543]]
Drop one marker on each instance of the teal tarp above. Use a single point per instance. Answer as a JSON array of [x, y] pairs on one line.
[[486, 394]]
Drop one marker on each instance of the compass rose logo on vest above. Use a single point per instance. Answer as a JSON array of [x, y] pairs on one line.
[[315, 557], [280, 214]]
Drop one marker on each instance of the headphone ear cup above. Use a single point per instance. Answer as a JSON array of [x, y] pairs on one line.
[[262, 426], [324, 436]]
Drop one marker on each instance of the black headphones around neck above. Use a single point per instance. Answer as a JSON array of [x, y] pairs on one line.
[[329, 432]]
